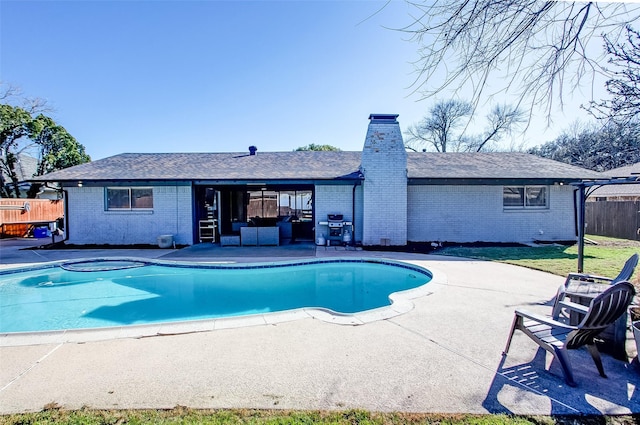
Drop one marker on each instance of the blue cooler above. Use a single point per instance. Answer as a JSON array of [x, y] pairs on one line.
[[40, 232]]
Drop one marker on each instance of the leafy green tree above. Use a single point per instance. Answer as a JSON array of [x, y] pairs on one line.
[[21, 132], [314, 147], [15, 125], [57, 149]]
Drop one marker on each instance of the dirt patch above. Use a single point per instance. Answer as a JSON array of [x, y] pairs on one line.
[[430, 247], [621, 243]]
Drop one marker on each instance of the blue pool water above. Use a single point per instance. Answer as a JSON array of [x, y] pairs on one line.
[[108, 293]]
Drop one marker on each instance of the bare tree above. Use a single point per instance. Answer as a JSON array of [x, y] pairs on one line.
[[437, 128], [624, 86], [535, 49], [8, 91], [12, 94], [502, 120]]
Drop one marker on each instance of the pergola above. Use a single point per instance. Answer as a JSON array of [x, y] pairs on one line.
[[584, 189]]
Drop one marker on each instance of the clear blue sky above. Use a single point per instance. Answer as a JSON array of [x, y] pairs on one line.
[[194, 76]]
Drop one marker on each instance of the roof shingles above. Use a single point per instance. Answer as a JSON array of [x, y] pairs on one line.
[[312, 165], [493, 165]]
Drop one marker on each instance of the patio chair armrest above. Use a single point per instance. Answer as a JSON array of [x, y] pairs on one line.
[[574, 306], [543, 319]]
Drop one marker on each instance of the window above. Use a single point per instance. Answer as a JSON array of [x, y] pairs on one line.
[[129, 198], [263, 204], [534, 197], [284, 203], [295, 203]]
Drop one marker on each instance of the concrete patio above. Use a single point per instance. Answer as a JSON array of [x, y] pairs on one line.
[[443, 356]]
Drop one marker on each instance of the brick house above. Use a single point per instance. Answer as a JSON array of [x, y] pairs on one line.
[[619, 192], [384, 195]]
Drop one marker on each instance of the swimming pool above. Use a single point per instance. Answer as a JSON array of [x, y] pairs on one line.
[[105, 293]]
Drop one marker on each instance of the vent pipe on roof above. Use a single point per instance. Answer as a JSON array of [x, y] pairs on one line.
[[252, 150]]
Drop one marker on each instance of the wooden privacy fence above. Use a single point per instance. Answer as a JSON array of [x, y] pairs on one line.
[[616, 219], [19, 216]]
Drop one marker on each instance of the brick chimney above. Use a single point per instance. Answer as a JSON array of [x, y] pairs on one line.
[[384, 165]]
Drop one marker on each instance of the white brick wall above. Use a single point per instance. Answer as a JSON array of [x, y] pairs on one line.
[[89, 223], [384, 165], [475, 213], [337, 200]]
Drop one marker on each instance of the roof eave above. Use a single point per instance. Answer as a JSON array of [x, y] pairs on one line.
[[489, 181]]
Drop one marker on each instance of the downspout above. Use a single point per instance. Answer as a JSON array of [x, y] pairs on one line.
[[575, 211], [353, 214], [177, 226], [353, 207], [194, 216], [65, 197]]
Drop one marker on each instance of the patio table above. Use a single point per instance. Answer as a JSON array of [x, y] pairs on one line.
[[585, 289]]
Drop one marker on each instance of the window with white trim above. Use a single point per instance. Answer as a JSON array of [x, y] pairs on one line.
[[529, 197], [128, 198]]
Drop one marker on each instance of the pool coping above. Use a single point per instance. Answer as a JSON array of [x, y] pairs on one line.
[[400, 303]]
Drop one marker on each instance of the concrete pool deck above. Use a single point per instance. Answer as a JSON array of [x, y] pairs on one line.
[[443, 356]]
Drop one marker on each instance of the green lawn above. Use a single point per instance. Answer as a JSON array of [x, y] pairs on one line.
[[604, 259], [185, 416]]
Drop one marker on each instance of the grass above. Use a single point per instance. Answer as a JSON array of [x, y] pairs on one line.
[[184, 416], [604, 259]]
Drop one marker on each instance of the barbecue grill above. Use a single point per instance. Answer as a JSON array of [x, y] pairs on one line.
[[337, 228]]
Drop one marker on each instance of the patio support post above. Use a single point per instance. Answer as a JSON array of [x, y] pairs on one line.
[[581, 220]]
